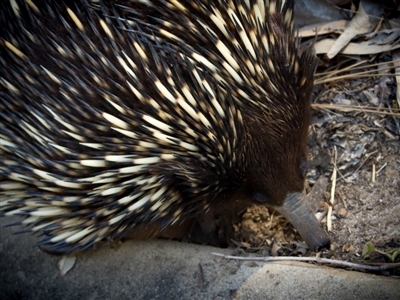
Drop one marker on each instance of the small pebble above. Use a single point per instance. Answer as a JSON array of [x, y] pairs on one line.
[[342, 213]]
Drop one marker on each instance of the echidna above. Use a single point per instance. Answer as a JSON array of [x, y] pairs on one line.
[[117, 116]]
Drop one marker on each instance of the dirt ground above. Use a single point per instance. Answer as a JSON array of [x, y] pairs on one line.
[[362, 211]]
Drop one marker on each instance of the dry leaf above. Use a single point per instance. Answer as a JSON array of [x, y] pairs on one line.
[[323, 28], [360, 24], [66, 264], [364, 48]]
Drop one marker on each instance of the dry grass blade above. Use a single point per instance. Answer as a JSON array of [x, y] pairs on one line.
[[350, 108], [331, 76]]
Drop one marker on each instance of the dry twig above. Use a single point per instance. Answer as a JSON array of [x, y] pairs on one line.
[[315, 259]]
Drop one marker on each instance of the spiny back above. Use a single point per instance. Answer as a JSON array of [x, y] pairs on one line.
[[116, 117]]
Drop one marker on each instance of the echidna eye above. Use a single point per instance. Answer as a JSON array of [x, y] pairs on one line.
[[259, 197]]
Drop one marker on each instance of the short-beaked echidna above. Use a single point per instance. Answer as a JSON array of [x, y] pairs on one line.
[[119, 115]]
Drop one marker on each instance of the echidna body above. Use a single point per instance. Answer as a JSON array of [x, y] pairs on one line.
[[116, 116]]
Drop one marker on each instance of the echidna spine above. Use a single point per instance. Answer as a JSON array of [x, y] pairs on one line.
[[116, 117]]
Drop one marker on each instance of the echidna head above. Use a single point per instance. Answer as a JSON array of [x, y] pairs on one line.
[[276, 146], [275, 169], [276, 162]]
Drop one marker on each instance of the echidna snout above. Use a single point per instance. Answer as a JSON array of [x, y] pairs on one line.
[[117, 118]]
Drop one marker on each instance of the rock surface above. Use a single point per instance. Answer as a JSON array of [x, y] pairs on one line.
[[161, 269]]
